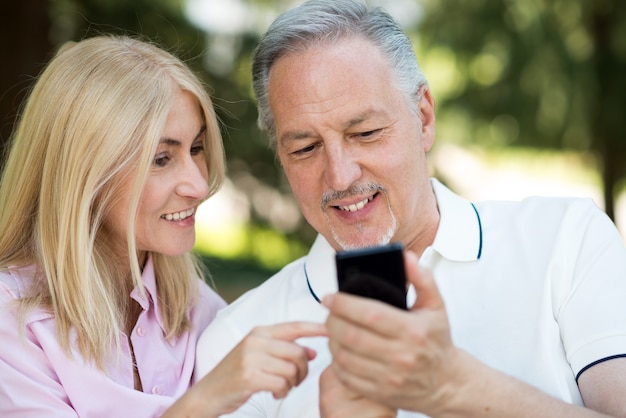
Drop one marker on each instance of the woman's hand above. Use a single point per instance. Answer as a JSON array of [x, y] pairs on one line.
[[267, 359]]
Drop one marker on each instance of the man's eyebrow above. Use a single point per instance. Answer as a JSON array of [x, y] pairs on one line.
[[295, 135], [176, 143]]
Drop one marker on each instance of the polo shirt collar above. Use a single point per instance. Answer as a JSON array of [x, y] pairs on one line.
[[319, 268], [458, 238]]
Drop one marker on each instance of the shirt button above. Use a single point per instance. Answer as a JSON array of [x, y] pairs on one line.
[[156, 390], [141, 331]]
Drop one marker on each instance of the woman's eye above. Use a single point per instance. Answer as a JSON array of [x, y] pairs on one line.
[[197, 149], [161, 160]]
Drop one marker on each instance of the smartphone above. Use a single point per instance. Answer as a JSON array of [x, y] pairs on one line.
[[374, 272]]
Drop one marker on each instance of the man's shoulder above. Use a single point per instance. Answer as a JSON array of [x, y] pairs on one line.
[[545, 205], [568, 220]]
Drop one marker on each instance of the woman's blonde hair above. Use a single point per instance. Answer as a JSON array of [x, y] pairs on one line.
[[95, 115]]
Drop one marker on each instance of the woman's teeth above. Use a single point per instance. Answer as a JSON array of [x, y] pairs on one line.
[[179, 216], [356, 206]]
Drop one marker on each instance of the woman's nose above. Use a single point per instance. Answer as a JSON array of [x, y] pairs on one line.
[[193, 181]]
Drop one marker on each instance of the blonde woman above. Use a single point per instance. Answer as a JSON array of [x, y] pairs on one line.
[[101, 301]]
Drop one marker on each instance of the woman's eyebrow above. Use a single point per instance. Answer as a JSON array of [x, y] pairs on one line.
[[176, 142], [200, 132]]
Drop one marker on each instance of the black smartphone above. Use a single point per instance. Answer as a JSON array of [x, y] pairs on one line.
[[373, 272]]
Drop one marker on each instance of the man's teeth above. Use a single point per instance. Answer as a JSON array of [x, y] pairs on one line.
[[356, 206], [179, 216]]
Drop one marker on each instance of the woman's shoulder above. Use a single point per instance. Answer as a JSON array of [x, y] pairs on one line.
[[14, 281], [14, 285]]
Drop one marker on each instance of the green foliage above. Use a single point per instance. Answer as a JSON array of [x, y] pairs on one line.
[[546, 74], [524, 66], [268, 247]]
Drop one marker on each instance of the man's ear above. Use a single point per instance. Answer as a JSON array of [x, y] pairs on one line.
[[426, 106]]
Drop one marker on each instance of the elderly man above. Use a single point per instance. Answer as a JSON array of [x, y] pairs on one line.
[[524, 312]]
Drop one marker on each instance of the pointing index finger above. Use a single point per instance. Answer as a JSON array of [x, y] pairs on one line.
[[290, 331]]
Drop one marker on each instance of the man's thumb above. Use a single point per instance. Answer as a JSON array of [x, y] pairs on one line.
[[427, 293]]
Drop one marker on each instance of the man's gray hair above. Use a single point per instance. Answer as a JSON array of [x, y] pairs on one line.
[[327, 21]]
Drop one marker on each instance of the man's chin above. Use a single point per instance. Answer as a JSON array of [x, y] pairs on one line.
[[351, 237], [350, 243]]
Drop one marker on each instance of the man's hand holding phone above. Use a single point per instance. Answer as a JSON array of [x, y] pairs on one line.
[[376, 346]]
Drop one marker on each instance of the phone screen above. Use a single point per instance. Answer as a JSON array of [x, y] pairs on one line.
[[375, 272]]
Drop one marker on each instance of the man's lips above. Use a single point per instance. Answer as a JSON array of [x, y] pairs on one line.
[[356, 206]]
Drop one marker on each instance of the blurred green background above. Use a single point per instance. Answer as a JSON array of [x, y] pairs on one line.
[[530, 99]]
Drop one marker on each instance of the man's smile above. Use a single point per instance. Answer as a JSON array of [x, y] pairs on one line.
[[356, 206]]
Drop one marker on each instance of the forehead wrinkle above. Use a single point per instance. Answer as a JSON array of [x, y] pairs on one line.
[[362, 117]]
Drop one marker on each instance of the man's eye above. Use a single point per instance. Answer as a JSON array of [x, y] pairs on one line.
[[161, 160], [304, 151], [368, 134]]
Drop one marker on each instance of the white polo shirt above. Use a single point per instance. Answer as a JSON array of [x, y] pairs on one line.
[[535, 288]]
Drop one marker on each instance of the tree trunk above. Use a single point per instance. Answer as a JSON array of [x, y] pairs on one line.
[[609, 181], [606, 101], [25, 46]]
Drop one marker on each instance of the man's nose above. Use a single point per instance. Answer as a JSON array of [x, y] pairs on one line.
[[342, 167]]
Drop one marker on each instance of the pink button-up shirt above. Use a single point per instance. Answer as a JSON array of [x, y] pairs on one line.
[[37, 379]]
